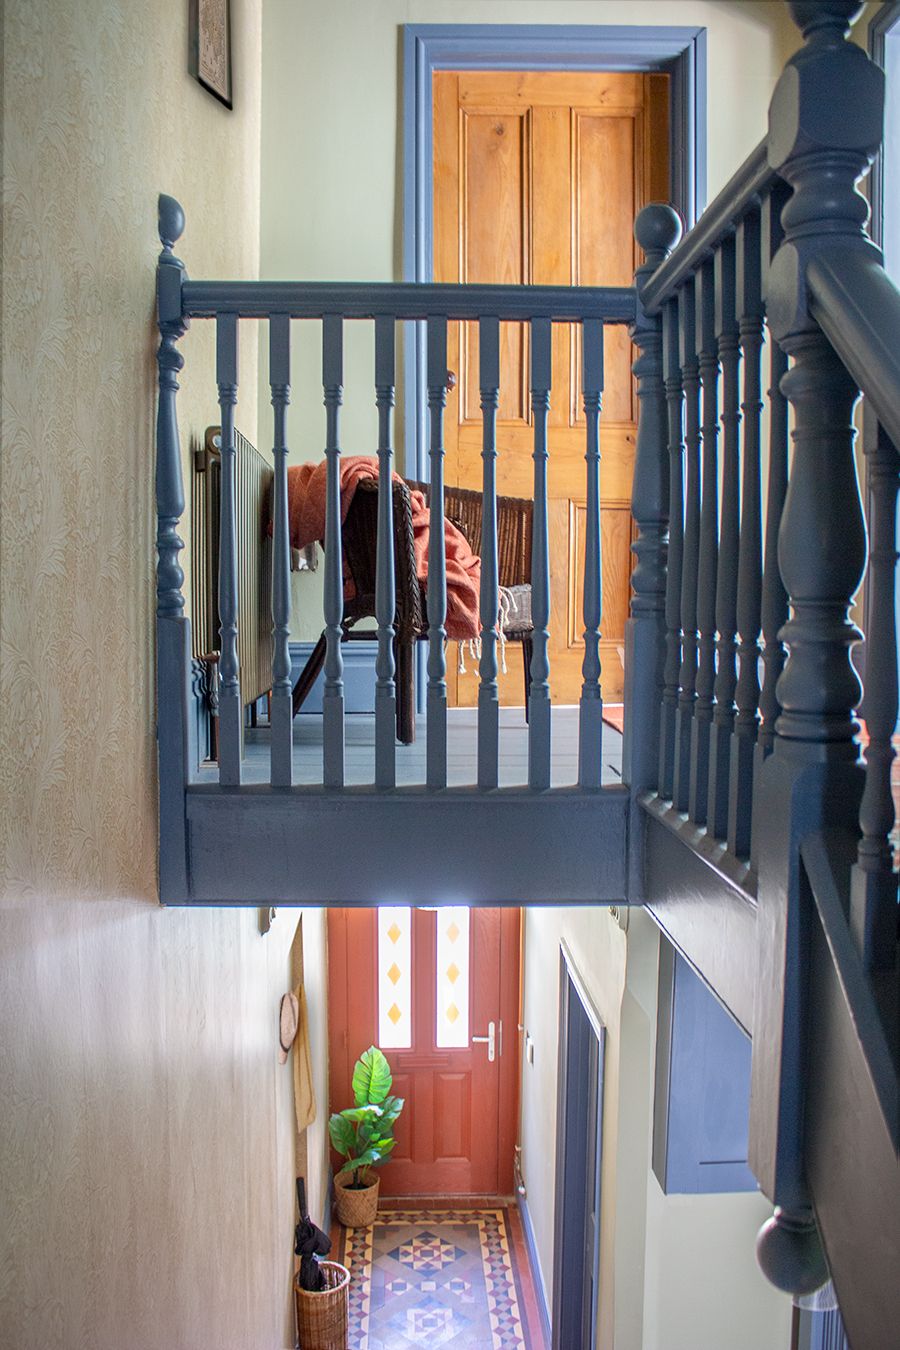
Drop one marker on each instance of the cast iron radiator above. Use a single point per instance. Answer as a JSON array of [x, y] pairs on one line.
[[253, 486]]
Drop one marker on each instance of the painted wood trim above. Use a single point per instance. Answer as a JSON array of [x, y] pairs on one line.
[[695, 1151], [256, 843], [573, 988], [534, 1262], [852, 1114], [429, 47], [857, 306], [702, 911], [403, 301], [359, 676], [753, 180], [883, 22]]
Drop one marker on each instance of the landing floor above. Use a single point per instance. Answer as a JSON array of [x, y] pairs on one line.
[[462, 732]]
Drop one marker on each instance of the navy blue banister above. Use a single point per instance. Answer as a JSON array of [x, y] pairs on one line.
[[752, 181], [406, 300], [857, 306]]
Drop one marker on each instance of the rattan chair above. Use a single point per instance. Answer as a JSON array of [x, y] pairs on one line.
[[359, 536], [463, 508]]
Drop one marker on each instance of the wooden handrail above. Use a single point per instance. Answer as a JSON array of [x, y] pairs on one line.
[[405, 300], [857, 306], [753, 180]]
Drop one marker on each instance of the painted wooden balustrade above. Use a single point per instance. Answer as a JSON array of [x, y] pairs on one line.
[[756, 823], [721, 602], [227, 814], [746, 747]]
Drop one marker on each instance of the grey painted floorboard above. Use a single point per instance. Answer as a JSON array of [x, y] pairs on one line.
[[462, 747]]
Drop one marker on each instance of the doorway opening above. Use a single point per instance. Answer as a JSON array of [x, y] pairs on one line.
[[438, 991]]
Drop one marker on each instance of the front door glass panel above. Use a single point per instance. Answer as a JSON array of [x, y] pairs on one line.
[[452, 972], [395, 977]]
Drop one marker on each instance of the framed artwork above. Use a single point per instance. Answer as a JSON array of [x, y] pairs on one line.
[[210, 47]]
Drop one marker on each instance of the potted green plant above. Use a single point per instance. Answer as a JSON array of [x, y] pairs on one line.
[[363, 1134]]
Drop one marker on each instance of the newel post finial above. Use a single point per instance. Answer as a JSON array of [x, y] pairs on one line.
[[828, 18], [825, 126], [657, 230], [170, 216]]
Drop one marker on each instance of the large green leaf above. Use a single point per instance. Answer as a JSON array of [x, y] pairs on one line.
[[343, 1134], [362, 1113], [390, 1110], [371, 1077], [368, 1158]]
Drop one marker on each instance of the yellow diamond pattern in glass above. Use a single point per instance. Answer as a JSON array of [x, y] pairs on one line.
[[452, 994], [394, 984]]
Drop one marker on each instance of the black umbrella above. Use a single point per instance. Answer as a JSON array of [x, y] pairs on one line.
[[309, 1244]]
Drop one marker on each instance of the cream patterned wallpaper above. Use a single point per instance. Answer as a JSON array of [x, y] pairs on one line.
[[146, 1146], [100, 115]]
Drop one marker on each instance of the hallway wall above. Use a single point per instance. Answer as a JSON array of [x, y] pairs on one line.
[[676, 1272], [333, 155], [146, 1149]]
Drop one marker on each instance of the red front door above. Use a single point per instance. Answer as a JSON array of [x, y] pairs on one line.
[[438, 990]]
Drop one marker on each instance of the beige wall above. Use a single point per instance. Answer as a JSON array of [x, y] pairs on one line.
[[332, 158], [146, 1142], [597, 947], [676, 1272]]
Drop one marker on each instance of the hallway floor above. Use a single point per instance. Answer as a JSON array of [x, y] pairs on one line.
[[454, 1274]]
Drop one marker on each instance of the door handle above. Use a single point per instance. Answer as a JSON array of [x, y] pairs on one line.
[[490, 1040]]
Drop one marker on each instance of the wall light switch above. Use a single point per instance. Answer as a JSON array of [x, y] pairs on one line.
[[529, 1049]]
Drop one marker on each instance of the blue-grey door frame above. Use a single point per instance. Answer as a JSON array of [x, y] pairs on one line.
[[579, 1157], [429, 47]]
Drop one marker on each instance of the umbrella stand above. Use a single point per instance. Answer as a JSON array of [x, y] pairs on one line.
[[321, 1288]]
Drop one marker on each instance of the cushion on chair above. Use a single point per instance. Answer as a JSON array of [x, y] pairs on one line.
[[517, 621]]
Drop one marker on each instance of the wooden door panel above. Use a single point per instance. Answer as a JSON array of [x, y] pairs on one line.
[[604, 248], [538, 177], [616, 90], [404, 1131], [459, 1107], [495, 248], [566, 471], [452, 1116]]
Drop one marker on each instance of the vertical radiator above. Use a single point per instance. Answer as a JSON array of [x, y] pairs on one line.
[[253, 486]]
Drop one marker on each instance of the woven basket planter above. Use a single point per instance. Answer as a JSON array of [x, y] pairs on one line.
[[356, 1209], [323, 1318]]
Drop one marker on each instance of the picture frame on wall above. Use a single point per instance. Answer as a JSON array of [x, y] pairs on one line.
[[210, 47]]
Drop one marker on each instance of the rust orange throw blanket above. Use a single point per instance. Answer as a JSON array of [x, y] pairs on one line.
[[306, 509]]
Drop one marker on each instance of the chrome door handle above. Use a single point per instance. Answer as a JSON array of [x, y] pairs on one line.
[[490, 1040]]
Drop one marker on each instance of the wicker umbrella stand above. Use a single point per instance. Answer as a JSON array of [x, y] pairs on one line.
[[323, 1318]]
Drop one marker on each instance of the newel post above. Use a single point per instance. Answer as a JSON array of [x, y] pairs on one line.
[[173, 630], [824, 127], [656, 229]]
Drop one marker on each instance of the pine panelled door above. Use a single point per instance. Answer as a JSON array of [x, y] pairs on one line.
[[537, 179], [438, 991]]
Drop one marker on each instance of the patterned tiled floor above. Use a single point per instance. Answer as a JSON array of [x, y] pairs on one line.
[[452, 1278]]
